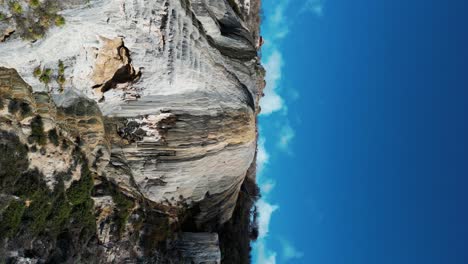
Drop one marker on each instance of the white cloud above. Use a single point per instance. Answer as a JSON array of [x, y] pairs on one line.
[[264, 256], [275, 29], [277, 22], [314, 6], [267, 186], [262, 156], [286, 135], [289, 251], [265, 210], [272, 101]]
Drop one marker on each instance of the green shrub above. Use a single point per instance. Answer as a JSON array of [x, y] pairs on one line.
[[123, 205], [59, 21], [13, 106], [34, 3], [61, 67], [12, 218], [25, 109], [28, 184], [64, 144], [60, 212], [80, 191], [82, 216], [53, 137], [37, 72], [61, 79], [33, 23], [16, 8], [36, 214], [45, 76], [37, 130], [13, 160]]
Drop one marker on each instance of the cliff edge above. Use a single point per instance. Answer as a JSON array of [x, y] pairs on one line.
[[128, 130]]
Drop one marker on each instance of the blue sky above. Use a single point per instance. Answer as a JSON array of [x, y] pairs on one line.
[[363, 152]]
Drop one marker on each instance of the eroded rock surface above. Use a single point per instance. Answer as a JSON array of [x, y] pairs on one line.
[[139, 114]]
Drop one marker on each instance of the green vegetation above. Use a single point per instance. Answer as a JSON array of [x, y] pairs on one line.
[[60, 212], [16, 105], [82, 216], [124, 206], [38, 210], [64, 145], [13, 106], [59, 21], [31, 208], [61, 80], [61, 67], [33, 23], [37, 131], [61, 74], [34, 3], [25, 109], [37, 72], [13, 159], [45, 76], [12, 218], [15, 7], [53, 137], [80, 190], [2, 16]]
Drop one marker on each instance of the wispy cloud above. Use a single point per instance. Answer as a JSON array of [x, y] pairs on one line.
[[262, 155], [314, 6], [277, 23], [264, 207], [287, 134], [275, 30], [267, 186], [265, 210], [289, 252], [264, 256]]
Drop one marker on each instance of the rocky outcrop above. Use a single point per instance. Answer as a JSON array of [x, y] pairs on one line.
[[145, 111]]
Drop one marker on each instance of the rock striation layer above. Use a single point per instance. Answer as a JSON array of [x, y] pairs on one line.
[[136, 122]]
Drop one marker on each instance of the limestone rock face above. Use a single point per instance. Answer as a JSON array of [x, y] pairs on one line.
[[198, 248], [158, 97]]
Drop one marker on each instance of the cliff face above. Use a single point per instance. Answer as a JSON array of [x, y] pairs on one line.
[[128, 130]]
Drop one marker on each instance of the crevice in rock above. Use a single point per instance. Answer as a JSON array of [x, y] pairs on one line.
[[7, 34]]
